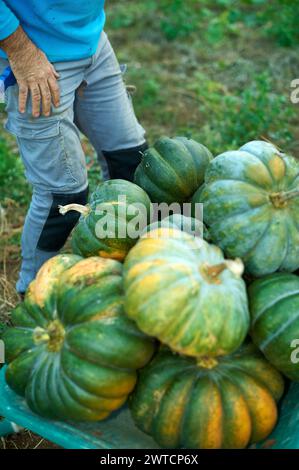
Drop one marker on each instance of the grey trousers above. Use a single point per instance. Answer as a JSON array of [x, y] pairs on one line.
[[93, 100]]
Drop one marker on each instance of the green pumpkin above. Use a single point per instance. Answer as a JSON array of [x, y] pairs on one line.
[[195, 200], [186, 224], [72, 353], [181, 290], [251, 207], [172, 169], [274, 307], [231, 403], [107, 211]]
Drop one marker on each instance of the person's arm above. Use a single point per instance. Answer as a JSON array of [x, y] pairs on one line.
[[8, 21], [31, 68]]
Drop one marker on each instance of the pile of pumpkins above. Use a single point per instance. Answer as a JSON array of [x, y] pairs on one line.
[[198, 346]]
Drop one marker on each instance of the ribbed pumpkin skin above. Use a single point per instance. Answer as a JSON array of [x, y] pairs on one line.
[[186, 224], [72, 353], [181, 404], [85, 241], [170, 296], [240, 211], [274, 308], [172, 169]]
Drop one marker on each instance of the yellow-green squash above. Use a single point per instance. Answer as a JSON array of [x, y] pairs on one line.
[[193, 404], [181, 290], [72, 352], [251, 207]]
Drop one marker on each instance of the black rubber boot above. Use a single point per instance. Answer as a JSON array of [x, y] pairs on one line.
[[57, 227], [123, 163]]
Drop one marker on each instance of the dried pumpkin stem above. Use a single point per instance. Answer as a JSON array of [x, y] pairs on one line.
[[53, 335], [285, 196], [280, 200], [207, 362], [84, 210], [40, 335], [56, 333], [214, 271], [235, 266]]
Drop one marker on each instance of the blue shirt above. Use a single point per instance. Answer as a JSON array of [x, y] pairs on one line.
[[62, 29]]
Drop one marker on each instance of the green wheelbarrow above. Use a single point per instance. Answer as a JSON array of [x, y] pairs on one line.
[[119, 431]]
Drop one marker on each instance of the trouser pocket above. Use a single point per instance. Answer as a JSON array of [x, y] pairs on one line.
[[51, 153]]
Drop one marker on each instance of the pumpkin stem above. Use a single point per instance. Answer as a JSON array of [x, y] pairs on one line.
[[56, 333], [214, 271], [53, 336], [290, 194], [207, 362], [84, 210], [40, 335], [279, 200], [235, 266]]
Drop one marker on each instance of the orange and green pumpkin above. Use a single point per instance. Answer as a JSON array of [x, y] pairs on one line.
[[181, 290], [72, 352], [103, 229], [231, 403], [274, 308], [251, 207], [172, 169]]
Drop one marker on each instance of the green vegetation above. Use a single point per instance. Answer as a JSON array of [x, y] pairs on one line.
[[180, 18], [12, 182], [238, 118], [217, 71]]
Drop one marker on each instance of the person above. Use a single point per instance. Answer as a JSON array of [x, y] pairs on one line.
[[68, 79]]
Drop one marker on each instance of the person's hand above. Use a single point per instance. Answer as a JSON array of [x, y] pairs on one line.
[[35, 75]]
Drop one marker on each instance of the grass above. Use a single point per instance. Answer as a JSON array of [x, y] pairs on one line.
[[222, 77]]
